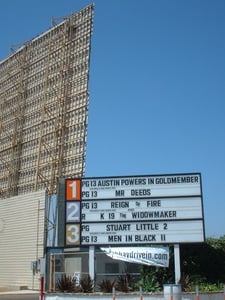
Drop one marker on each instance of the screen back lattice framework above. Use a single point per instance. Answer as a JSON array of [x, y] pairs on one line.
[[44, 106]]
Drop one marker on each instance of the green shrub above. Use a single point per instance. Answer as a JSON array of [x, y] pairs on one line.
[[207, 287], [211, 287], [149, 284]]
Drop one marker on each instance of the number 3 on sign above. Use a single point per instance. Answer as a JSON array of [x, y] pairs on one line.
[[73, 189], [72, 234]]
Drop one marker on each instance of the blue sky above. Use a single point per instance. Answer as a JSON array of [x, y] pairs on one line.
[[157, 86]]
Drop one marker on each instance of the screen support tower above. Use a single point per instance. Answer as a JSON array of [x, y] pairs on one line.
[[43, 111]]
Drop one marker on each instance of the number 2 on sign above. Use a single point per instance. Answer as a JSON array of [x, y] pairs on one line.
[[73, 189]]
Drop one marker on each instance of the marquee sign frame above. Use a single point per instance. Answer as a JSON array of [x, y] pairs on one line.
[[149, 209]]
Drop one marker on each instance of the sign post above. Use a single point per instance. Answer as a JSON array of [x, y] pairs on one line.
[[177, 263], [92, 262]]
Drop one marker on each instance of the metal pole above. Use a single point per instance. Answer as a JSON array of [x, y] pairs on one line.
[[197, 293], [51, 273], [113, 293], [171, 292], [141, 294], [41, 288]]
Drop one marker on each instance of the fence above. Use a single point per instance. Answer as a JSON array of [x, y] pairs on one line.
[[205, 296]]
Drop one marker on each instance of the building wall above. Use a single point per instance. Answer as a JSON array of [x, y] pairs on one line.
[[21, 239]]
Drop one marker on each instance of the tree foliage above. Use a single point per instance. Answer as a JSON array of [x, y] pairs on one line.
[[200, 264], [205, 262]]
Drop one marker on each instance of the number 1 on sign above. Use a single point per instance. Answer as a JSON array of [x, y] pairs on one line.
[[73, 189], [73, 185]]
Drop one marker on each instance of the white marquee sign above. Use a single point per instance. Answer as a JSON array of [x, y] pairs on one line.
[[134, 210]]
